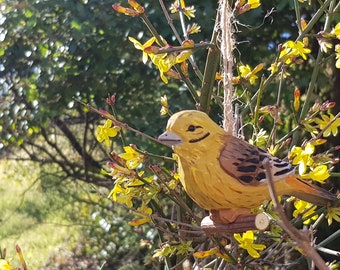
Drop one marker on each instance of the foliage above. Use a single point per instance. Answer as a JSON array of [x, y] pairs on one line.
[[144, 187], [54, 51]]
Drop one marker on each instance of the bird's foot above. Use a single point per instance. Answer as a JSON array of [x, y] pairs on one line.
[[229, 215]]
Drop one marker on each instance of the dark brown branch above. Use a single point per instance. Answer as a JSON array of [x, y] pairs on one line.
[[74, 142]]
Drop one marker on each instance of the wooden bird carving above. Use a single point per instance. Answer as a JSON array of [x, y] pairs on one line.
[[222, 172]]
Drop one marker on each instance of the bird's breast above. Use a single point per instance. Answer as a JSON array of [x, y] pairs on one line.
[[212, 188]]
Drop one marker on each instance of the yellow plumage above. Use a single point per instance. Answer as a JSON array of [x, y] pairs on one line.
[[219, 171]]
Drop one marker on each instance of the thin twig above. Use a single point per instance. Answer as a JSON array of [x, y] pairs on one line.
[[272, 136], [174, 30], [169, 20], [115, 121], [328, 251]]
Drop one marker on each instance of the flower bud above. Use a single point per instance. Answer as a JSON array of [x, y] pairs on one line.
[[189, 43], [261, 118], [136, 6], [111, 100], [296, 102], [327, 105], [287, 142], [126, 11], [151, 49]]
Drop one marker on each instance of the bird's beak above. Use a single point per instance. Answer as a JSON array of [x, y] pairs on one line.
[[170, 139]]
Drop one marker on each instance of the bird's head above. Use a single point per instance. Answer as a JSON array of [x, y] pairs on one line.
[[187, 128]]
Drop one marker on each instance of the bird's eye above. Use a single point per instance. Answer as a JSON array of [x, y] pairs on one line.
[[191, 128]]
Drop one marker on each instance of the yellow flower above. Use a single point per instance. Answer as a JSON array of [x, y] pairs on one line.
[[164, 101], [319, 173], [120, 194], [4, 265], [298, 48], [164, 251], [306, 209], [333, 213], [165, 105], [105, 131], [302, 157], [261, 138], [246, 242], [145, 214], [293, 49], [337, 55], [254, 3], [184, 55], [332, 129], [163, 62], [336, 31], [325, 44], [174, 182], [206, 253], [273, 68], [247, 73], [132, 157], [179, 5], [193, 29], [243, 7], [142, 47]]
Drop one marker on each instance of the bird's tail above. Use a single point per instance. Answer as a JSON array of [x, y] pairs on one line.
[[309, 192]]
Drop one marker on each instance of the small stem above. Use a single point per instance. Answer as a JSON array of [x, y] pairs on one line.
[[154, 32], [121, 133], [314, 20], [330, 238], [210, 70], [181, 18], [154, 155], [328, 251], [169, 20], [298, 15], [258, 103], [174, 30], [273, 131], [254, 97], [115, 121]]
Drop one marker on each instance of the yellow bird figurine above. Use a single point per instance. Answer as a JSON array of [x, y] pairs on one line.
[[224, 173]]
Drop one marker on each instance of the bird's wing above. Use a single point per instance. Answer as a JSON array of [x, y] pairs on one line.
[[244, 162]]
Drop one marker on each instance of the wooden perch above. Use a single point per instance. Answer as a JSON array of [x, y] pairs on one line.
[[241, 224]]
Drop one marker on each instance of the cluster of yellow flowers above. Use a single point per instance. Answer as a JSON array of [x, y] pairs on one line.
[[165, 61], [130, 182]]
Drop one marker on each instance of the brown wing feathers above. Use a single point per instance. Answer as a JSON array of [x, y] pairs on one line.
[[245, 162]]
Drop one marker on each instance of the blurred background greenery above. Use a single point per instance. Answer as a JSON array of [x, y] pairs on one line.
[[52, 51]]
